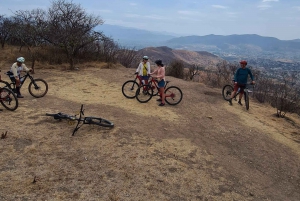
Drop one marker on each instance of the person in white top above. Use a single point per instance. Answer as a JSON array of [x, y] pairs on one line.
[[143, 69], [16, 70]]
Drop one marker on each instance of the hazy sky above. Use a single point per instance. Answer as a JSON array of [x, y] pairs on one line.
[[275, 18]]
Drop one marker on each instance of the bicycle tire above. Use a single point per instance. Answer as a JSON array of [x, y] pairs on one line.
[[246, 96], [38, 86], [173, 95], [144, 93], [226, 92], [8, 99], [129, 88], [98, 121]]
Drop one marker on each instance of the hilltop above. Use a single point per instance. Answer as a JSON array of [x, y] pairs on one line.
[[201, 149], [201, 58]]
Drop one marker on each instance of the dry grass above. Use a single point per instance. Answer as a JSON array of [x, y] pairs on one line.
[[201, 149]]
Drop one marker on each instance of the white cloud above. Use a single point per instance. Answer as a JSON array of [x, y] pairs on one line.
[[297, 7], [219, 6], [133, 4]]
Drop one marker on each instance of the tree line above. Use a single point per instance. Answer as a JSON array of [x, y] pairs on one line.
[[62, 33]]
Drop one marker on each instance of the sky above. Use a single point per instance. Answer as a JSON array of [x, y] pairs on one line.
[[274, 18]]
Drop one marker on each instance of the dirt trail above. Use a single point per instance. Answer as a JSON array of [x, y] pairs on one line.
[[201, 149]]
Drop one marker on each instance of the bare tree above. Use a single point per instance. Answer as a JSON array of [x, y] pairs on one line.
[[126, 56], [5, 25], [71, 28], [286, 94], [28, 27]]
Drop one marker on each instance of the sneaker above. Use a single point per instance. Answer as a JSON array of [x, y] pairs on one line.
[[230, 101], [240, 103], [20, 96], [161, 104], [158, 99]]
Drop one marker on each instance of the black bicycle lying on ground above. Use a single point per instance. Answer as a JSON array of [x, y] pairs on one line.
[[85, 120], [228, 89], [8, 98], [37, 87]]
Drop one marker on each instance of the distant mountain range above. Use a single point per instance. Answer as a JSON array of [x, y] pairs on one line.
[[132, 37], [232, 47]]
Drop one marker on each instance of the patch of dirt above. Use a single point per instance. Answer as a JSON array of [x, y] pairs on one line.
[[201, 149]]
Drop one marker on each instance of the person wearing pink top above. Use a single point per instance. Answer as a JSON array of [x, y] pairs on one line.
[[160, 76]]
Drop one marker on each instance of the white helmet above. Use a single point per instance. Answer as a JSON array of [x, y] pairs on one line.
[[21, 59], [145, 57]]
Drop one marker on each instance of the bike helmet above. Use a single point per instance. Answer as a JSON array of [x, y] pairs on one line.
[[21, 59], [145, 57], [243, 62]]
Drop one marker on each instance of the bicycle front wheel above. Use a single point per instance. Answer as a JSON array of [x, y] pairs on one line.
[[98, 121], [38, 88], [173, 95], [246, 95], [155, 89], [226, 92], [129, 88], [8, 99], [144, 93]]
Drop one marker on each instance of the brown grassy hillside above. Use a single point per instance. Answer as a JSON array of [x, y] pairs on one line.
[[201, 149], [189, 57]]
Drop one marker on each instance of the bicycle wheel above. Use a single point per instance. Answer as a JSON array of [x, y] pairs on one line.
[[226, 91], [38, 88], [98, 121], [8, 99], [173, 95], [246, 96], [129, 88], [144, 93]]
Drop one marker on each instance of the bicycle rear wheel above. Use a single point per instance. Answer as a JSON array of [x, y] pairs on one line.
[[144, 93], [129, 88], [8, 99], [38, 88], [246, 96], [226, 92], [98, 121], [173, 95]]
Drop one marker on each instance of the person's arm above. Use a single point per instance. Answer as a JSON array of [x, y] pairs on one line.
[[251, 75], [25, 68], [138, 69], [154, 72]]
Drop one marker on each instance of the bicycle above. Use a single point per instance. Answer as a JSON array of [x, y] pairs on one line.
[[85, 120], [8, 98], [173, 94], [37, 87], [128, 88], [228, 89]]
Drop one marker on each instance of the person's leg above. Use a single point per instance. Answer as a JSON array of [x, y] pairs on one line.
[[18, 89], [162, 95]]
